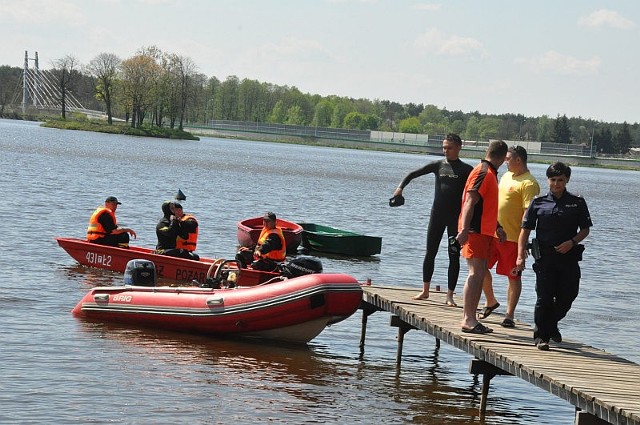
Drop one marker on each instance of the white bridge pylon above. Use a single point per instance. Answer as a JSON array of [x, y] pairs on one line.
[[40, 89]]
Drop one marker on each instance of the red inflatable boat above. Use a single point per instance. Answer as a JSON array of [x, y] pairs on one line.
[[293, 310]]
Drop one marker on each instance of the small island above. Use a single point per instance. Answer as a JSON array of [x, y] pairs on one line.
[[119, 128]]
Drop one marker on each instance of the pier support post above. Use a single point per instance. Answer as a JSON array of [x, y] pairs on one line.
[[403, 328], [488, 371], [585, 418], [367, 310]]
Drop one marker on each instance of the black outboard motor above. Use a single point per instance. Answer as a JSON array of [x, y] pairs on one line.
[[140, 273], [301, 265]]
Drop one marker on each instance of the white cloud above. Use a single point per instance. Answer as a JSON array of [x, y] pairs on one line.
[[34, 12], [293, 48], [606, 18], [563, 64], [427, 6], [437, 42], [351, 1]]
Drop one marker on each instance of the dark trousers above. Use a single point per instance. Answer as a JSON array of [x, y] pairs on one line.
[[120, 240], [181, 253], [557, 285], [437, 225]]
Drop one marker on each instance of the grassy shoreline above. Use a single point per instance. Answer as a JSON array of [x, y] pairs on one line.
[[119, 128], [467, 152], [147, 131]]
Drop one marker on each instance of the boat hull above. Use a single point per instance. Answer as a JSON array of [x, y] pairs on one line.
[[249, 231], [171, 268], [336, 241], [295, 310]]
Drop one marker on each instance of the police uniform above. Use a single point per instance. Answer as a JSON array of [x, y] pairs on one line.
[[555, 220]]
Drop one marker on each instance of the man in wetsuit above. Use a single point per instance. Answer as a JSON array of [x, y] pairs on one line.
[[450, 177]]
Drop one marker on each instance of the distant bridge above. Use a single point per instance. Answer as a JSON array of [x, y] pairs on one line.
[[41, 91]]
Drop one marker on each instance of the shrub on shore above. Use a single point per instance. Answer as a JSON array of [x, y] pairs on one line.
[[119, 128]]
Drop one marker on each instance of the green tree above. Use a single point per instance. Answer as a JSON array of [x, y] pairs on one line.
[[340, 111], [391, 113], [622, 140], [413, 110], [323, 113], [9, 84], [431, 115], [104, 68], [295, 116], [562, 132], [544, 129], [212, 108], [472, 130], [252, 104], [410, 125], [456, 126], [229, 98], [372, 122], [139, 76], [354, 120], [278, 113], [603, 141], [65, 70], [489, 127]]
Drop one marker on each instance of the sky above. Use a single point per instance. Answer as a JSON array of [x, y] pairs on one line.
[[530, 57]]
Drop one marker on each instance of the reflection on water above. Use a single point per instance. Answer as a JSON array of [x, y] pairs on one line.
[[91, 277], [58, 369]]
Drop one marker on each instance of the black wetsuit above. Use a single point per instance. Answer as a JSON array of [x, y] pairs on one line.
[[451, 177]]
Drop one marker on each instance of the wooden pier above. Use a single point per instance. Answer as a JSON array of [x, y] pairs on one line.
[[604, 388]]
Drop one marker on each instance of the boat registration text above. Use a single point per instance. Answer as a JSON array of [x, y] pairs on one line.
[[98, 259]]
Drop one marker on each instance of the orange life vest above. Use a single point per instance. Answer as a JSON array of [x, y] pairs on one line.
[[276, 254], [192, 240], [95, 229]]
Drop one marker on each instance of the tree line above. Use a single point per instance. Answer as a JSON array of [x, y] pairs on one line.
[[163, 89]]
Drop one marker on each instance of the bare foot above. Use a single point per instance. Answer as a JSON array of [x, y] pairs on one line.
[[424, 295], [451, 302]]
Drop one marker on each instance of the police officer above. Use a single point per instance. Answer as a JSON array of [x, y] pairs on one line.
[[561, 221]]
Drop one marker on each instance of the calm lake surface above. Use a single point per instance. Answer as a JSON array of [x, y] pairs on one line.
[[56, 369]]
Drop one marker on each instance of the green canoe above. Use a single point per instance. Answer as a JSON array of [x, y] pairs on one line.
[[336, 241]]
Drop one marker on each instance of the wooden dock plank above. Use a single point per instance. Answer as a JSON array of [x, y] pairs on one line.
[[591, 379]]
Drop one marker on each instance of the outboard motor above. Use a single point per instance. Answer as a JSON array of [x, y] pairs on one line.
[[301, 265], [140, 273]]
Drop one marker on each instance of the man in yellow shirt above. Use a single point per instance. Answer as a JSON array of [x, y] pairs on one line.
[[516, 190]]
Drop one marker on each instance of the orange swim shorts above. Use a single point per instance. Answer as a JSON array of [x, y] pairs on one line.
[[478, 246], [505, 255]]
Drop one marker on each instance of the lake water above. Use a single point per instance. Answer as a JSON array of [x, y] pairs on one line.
[[56, 369]]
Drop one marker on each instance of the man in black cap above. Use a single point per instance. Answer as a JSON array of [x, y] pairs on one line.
[[103, 227], [271, 248]]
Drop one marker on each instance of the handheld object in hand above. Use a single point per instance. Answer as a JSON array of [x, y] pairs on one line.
[[396, 201], [454, 245]]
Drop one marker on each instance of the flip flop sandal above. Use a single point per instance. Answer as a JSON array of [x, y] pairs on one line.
[[508, 323], [478, 329], [486, 311]]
